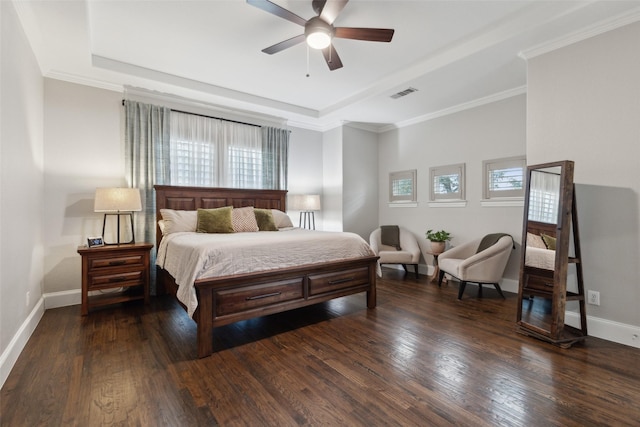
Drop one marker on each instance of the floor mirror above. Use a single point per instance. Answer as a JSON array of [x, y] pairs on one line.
[[550, 256]]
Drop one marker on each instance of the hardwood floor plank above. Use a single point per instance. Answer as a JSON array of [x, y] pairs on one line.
[[422, 357]]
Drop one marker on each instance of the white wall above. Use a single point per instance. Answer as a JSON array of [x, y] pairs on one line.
[[360, 181], [584, 105], [487, 132], [83, 151], [305, 168], [332, 180], [21, 189]]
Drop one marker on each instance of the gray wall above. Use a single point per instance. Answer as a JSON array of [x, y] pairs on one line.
[[584, 105], [487, 132]]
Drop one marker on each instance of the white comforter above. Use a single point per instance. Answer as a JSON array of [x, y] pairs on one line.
[[540, 258], [191, 256]]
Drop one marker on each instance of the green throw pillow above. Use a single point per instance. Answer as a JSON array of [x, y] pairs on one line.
[[215, 220], [265, 220], [549, 241]]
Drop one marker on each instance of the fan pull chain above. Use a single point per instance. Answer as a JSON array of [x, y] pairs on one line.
[[307, 60]]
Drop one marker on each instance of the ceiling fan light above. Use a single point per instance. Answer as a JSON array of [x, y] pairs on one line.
[[318, 40]]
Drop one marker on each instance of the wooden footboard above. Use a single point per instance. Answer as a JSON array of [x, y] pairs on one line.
[[230, 299]]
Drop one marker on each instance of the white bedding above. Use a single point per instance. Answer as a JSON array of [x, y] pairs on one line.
[[540, 258], [190, 256]]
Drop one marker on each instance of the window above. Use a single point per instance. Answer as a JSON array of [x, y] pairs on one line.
[[503, 178], [210, 152], [402, 186], [447, 183]]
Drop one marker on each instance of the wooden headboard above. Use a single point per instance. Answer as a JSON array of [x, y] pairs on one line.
[[193, 198], [541, 228]]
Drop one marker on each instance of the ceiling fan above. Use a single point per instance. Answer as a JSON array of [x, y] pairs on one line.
[[319, 30]]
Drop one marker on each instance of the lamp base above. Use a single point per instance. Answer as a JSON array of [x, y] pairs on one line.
[[307, 217], [118, 242]]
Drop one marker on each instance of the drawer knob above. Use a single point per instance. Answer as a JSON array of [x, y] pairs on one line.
[[117, 279], [273, 294], [335, 282], [118, 262]]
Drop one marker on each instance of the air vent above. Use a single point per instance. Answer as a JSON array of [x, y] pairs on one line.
[[405, 92]]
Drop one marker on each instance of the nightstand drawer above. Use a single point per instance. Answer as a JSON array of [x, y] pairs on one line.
[[117, 261], [127, 278]]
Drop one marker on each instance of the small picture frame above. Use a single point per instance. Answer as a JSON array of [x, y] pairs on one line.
[[95, 241]]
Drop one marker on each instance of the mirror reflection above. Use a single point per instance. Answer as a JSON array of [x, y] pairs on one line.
[[544, 201]]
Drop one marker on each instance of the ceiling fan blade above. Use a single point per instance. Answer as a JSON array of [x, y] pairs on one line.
[[273, 8], [331, 10], [332, 58], [284, 45], [367, 34]]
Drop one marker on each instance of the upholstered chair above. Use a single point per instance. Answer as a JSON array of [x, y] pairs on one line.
[[469, 264], [409, 253]]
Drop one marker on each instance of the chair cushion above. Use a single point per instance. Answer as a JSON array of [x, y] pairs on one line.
[[395, 257]]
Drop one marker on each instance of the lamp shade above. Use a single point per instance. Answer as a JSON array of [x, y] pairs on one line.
[[304, 202], [117, 200]]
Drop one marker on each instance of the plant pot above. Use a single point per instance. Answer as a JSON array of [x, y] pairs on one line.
[[437, 247]]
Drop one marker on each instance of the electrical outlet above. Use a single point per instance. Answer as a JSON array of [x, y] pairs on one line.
[[593, 297], [27, 299]]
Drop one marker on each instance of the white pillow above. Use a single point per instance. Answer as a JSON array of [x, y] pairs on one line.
[[535, 241], [281, 219], [176, 221], [243, 219]]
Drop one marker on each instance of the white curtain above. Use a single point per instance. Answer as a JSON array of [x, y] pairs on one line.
[[211, 152]]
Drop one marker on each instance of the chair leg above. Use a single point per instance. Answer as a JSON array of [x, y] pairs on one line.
[[417, 274], [499, 290], [440, 277], [405, 268], [479, 290], [463, 285]]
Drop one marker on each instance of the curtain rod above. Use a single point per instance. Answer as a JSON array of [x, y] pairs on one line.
[[212, 117]]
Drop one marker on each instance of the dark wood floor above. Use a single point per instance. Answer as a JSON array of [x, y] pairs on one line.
[[420, 358]]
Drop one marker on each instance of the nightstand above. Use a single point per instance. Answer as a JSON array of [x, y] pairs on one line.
[[107, 268]]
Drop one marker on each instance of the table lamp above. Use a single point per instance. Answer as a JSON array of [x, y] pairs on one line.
[[118, 202]]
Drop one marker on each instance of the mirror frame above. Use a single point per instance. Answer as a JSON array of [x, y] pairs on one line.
[[550, 285]]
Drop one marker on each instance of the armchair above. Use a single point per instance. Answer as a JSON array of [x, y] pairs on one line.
[[409, 254], [469, 264]]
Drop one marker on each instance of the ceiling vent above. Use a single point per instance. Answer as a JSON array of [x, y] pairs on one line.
[[405, 92]]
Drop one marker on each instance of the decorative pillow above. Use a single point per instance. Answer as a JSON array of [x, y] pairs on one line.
[[535, 241], [243, 219], [549, 241], [281, 219], [265, 220], [215, 220], [176, 221]]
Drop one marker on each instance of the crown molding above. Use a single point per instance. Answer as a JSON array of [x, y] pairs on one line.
[[594, 30], [509, 93], [73, 78]]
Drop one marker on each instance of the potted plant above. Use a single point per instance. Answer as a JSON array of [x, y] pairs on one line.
[[438, 240]]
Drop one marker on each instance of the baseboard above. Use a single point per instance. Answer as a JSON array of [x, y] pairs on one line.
[[609, 330], [12, 352], [62, 299]]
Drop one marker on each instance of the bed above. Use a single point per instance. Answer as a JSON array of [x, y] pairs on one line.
[[539, 264], [229, 295]]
